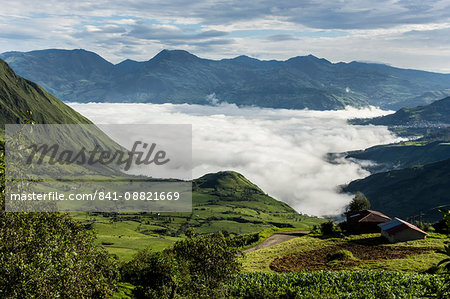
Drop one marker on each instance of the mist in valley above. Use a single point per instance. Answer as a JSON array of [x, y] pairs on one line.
[[282, 151]]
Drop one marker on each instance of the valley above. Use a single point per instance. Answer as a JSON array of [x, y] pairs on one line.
[[277, 243]]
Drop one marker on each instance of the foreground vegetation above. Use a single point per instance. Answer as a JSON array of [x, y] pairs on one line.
[[342, 284]]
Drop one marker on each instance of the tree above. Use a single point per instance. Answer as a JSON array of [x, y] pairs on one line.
[[155, 274], [358, 203], [195, 267], [328, 228], [211, 260], [50, 255]]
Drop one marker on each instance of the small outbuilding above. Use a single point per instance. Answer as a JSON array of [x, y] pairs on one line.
[[398, 230], [366, 221]]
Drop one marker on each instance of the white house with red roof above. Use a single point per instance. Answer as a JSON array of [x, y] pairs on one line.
[[398, 230]]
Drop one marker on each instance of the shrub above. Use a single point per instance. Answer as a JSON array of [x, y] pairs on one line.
[[50, 255], [341, 255], [329, 228], [154, 274], [425, 226], [195, 267]]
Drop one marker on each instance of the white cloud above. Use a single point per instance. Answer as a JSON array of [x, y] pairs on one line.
[[282, 151]]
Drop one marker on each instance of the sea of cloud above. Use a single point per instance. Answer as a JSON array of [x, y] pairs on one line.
[[282, 151]]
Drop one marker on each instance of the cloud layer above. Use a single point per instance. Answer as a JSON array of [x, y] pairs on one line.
[[282, 151], [402, 33]]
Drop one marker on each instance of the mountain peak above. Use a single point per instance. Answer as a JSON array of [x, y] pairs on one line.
[[244, 57], [308, 58], [227, 180], [175, 55]]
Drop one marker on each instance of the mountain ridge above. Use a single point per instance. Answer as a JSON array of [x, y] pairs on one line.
[[437, 112], [18, 95], [409, 191], [410, 177], [177, 76]]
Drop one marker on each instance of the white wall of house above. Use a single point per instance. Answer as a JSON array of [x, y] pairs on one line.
[[408, 234]]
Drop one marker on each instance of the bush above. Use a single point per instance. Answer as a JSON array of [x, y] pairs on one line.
[[425, 226], [341, 255], [244, 240], [50, 255], [195, 267], [329, 228], [154, 274]]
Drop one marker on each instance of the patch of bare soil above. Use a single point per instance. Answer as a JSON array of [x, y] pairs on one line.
[[278, 238], [363, 253]]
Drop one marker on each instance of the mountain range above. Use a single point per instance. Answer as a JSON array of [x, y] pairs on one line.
[[431, 123], [176, 76], [411, 177], [221, 201]]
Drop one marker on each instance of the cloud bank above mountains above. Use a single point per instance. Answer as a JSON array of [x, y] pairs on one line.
[[410, 34], [282, 151]]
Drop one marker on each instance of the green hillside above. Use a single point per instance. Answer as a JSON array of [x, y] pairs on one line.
[[23, 101], [18, 95], [220, 201], [431, 148], [436, 114], [408, 192]]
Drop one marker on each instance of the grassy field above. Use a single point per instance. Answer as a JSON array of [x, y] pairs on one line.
[[419, 255], [125, 234], [224, 201]]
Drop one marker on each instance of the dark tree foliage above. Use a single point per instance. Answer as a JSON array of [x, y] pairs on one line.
[[50, 255], [155, 274], [359, 203], [329, 228], [195, 267]]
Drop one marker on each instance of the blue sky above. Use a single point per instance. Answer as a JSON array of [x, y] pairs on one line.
[[409, 34]]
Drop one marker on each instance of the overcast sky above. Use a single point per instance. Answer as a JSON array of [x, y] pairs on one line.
[[409, 34]]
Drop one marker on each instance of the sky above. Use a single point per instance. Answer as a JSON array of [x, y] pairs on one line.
[[281, 151], [408, 34]]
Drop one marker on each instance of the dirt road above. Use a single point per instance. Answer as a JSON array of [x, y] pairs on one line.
[[278, 238]]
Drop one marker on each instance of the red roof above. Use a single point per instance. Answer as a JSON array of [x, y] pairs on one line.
[[367, 216], [397, 225]]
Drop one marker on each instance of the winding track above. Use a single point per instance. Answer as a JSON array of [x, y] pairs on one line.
[[278, 238]]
